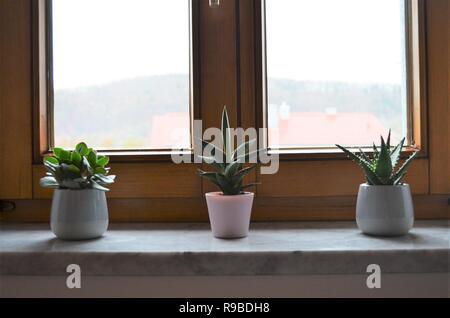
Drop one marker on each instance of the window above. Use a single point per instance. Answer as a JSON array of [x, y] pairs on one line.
[[121, 74], [336, 72]]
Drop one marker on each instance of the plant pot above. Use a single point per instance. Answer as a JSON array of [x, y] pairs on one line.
[[229, 215], [384, 210], [79, 214]]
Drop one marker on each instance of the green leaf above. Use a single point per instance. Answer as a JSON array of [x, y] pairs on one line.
[[211, 162], [75, 158], [243, 172], [82, 148], [397, 178], [383, 168], [100, 170], [226, 186], [364, 155], [214, 147], [57, 152], [226, 135], [232, 168], [102, 161], [51, 160], [92, 158], [64, 156], [375, 151], [243, 149], [211, 176], [388, 141], [395, 154], [371, 177]]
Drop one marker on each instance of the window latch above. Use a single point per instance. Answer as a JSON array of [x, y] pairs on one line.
[[7, 206], [214, 3]]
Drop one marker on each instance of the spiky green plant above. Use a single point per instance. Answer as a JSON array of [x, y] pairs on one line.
[[380, 168], [229, 171], [79, 169]]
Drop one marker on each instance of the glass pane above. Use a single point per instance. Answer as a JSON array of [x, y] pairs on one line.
[[121, 73], [335, 72]]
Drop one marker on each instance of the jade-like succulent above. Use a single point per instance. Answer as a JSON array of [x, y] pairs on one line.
[[229, 171], [380, 168], [79, 169]]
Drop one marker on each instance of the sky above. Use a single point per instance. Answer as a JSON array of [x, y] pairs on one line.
[[101, 41], [345, 40]]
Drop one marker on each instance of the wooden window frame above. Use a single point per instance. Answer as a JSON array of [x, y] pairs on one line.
[[43, 94], [152, 188], [416, 86]]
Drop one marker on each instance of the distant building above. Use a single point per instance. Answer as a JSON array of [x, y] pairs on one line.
[[299, 128]]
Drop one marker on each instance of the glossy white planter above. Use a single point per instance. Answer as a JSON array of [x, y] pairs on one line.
[[384, 210], [229, 214], [79, 214]]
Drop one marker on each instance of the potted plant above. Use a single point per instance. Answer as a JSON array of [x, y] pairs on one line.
[[229, 209], [79, 177], [384, 205]]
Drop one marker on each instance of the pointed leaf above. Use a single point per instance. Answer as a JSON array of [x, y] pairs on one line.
[[243, 149], [226, 135], [395, 154], [232, 168], [403, 169], [371, 177], [383, 168], [388, 141]]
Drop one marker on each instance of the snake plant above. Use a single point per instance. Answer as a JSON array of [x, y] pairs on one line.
[[381, 167], [79, 169], [230, 171]]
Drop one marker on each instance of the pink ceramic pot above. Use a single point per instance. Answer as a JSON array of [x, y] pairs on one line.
[[229, 214]]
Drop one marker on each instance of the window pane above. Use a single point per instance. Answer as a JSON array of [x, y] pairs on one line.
[[335, 71], [121, 73]]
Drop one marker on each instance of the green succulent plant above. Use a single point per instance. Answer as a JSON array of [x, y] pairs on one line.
[[229, 171], [81, 168], [381, 167]]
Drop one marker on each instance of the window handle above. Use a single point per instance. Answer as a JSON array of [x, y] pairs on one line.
[[214, 3], [6, 206]]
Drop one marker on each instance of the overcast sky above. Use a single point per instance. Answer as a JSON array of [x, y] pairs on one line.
[[99, 41], [345, 40]]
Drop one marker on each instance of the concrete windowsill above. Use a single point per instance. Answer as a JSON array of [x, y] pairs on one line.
[[287, 248]]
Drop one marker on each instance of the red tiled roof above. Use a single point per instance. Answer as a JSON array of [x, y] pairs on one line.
[[301, 128], [310, 128]]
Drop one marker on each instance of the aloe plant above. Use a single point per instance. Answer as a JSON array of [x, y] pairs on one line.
[[229, 172], [381, 167], [81, 168]]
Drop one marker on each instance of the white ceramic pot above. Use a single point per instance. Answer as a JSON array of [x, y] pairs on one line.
[[79, 214], [384, 210], [229, 215]]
